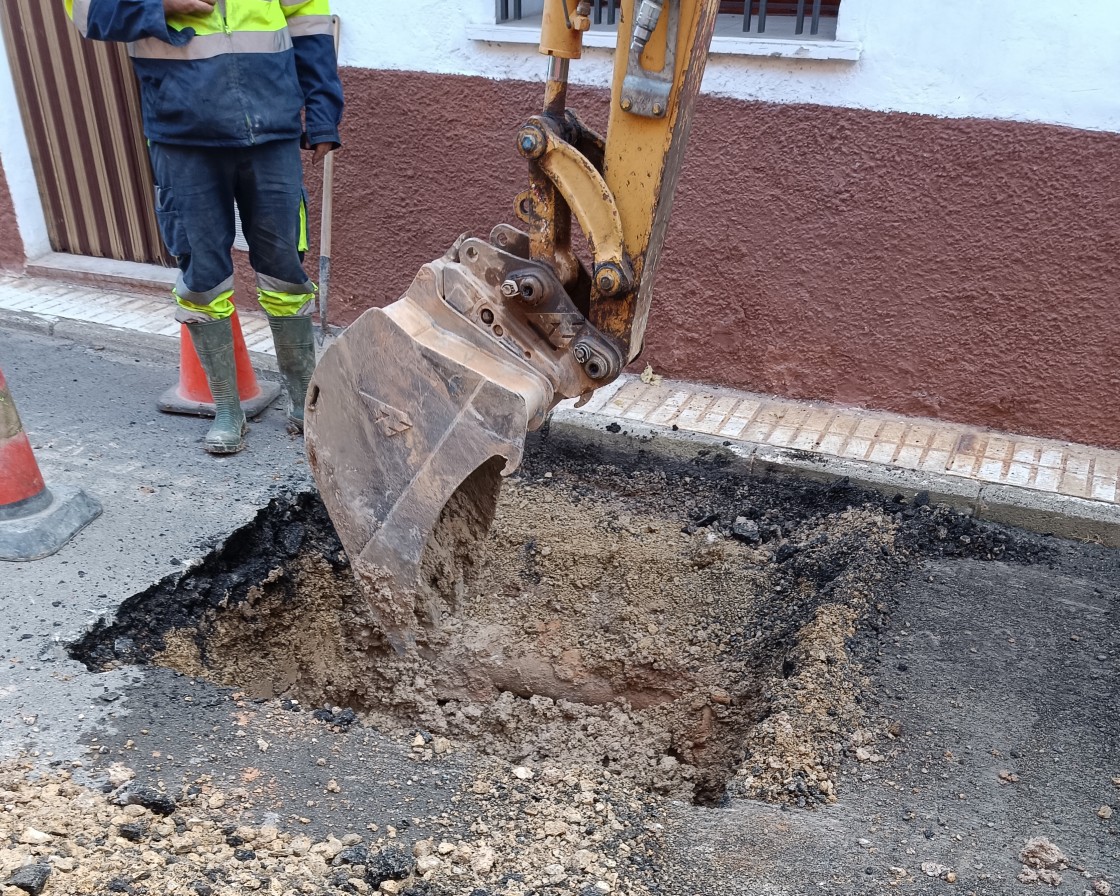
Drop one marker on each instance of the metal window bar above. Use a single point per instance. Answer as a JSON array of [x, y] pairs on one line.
[[598, 7], [506, 14], [763, 11], [754, 12]]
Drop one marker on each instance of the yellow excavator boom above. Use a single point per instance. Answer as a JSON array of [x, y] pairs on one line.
[[419, 408]]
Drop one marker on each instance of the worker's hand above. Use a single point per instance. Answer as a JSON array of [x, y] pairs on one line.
[[319, 152], [188, 7]]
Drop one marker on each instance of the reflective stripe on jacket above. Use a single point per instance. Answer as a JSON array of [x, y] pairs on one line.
[[234, 77]]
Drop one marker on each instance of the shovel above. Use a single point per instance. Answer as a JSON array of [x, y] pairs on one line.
[[325, 222]]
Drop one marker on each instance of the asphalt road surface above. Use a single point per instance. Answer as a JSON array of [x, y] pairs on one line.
[[1004, 677]]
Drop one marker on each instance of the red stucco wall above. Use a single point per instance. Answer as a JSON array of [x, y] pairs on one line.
[[961, 269]]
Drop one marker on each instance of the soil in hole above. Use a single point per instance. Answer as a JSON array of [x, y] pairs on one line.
[[686, 627]]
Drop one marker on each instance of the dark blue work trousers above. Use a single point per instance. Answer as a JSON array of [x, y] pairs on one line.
[[196, 188]]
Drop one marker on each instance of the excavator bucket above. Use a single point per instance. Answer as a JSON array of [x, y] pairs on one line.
[[417, 410], [411, 417]]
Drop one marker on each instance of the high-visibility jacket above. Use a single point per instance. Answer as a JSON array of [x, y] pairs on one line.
[[234, 77]]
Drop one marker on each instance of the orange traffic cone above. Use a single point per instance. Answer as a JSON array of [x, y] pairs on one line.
[[35, 521], [192, 394]]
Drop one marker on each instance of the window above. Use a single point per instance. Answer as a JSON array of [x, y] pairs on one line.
[[773, 18], [812, 17], [795, 29]]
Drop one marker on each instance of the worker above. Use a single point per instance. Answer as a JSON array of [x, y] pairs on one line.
[[222, 87]]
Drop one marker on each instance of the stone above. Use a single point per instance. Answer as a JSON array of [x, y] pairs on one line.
[[394, 863], [31, 878]]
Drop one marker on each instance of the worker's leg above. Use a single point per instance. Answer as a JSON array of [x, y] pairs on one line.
[[194, 203], [274, 219]]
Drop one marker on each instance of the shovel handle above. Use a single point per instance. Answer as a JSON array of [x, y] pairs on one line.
[[325, 218]]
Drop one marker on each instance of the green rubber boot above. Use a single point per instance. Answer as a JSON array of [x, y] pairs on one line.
[[295, 356], [213, 342]]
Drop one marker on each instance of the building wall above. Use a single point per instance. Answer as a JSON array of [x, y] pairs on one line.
[[957, 268], [929, 229], [1005, 59]]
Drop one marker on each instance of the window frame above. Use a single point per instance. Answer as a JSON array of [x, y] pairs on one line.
[[729, 39]]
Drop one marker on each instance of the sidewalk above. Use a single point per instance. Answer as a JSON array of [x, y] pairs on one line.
[[1044, 485]]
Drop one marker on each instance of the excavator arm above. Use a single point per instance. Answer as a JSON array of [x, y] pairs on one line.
[[420, 407]]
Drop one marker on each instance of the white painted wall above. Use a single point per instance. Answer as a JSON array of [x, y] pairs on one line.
[[16, 159], [1006, 59], [1022, 60]]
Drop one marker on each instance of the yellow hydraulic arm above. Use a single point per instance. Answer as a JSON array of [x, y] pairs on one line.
[[419, 407], [620, 190]]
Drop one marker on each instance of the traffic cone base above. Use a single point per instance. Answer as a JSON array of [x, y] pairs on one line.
[[191, 395], [40, 533], [35, 521]]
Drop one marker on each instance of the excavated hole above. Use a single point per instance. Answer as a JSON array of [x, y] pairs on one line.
[[688, 627]]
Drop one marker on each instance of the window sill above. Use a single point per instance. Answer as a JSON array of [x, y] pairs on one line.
[[722, 44]]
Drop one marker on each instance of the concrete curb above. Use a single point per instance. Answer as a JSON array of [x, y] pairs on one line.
[[1035, 511]]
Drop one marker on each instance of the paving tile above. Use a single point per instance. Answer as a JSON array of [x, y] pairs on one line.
[[998, 449], [858, 449], [136, 320], [796, 416], [945, 440], [832, 443], [255, 331], [715, 417], [1077, 463], [17, 302], [1051, 457], [1074, 486], [963, 464], [910, 456], [990, 470], [636, 390], [1075, 477], [891, 432], [602, 396], [1107, 465], [53, 307], [626, 396], [918, 436], [883, 452], [935, 461], [45, 289], [740, 417], [1103, 489], [820, 419], [670, 406], [261, 344], [806, 440], [759, 429], [100, 316], [693, 410], [844, 423], [1047, 479], [782, 436], [641, 409], [867, 428]]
